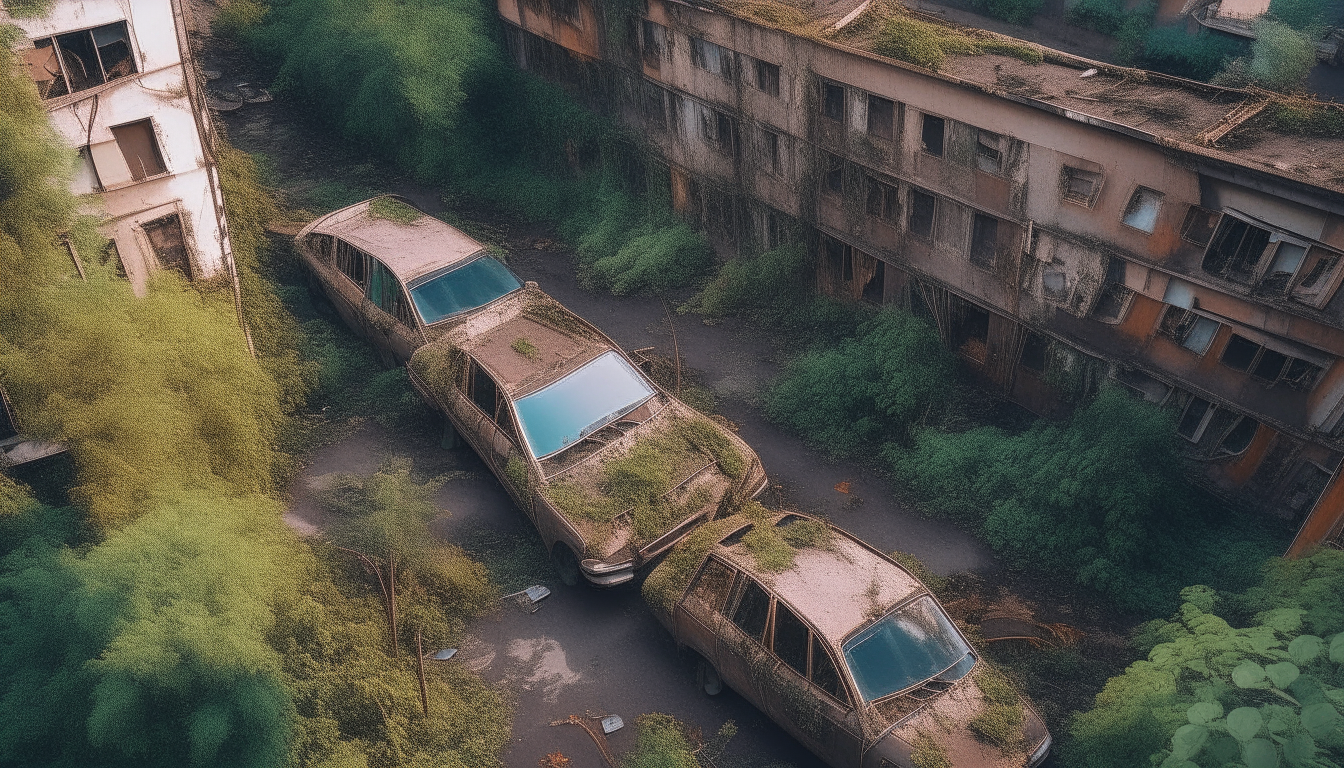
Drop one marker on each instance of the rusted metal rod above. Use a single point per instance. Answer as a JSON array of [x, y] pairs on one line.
[[389, 596]]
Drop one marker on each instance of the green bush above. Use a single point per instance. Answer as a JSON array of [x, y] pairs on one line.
[[1011, 11], [1176, 52], [1281, 57], [1104, 16], [1307, 14], [866, 390], [928, 45]]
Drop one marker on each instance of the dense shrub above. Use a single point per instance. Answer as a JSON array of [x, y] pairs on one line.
[[868, 389], [928, 45], [1307, 14], [1104, 16], [1011, 11], [1281, 57], [1176, 52]]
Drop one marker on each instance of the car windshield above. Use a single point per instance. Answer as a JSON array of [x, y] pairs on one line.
[[907, 646], [472, 285], [583, 402]]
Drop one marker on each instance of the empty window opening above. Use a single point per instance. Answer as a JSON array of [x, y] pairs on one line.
[[790, 639], [984, 240], [76, 61], [1318, 276], [140, 147], [1194, 418], [932, 135], [655, 37], [923, 207], [1080, 186], [1199, 225], [712, 58], [169, 243], [1236, 249], [711, 587], [824, 675], [767, 77], [1192, 331], [770, 151], [1288, 257], [989, 152], [1240, 353], [875, 288], [1115, 297], [971, 333], [752, 610], [881, 117], [720, 131], [1301, 375], [1035, 352], [835, 174], [1269, 365], [833, 101], [484, 392], [1239, 437], [882, 201], [1141, 212]]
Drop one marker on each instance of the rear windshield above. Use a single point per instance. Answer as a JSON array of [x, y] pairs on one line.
[[581, 403], [906, 647], [472, 285]]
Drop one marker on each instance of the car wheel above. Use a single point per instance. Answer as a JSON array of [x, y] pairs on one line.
[[708, 677], [566, 565]]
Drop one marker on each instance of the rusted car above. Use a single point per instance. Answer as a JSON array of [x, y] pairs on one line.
[[839, 645], [612, 469], [398, 276]]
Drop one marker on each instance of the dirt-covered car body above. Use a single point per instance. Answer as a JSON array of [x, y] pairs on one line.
[[398, 276], [839, 645], [611, 469]]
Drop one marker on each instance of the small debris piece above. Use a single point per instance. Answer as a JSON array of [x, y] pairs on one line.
[[529, 599], [1089, 73], [612, 723], [253, 94], [211, 74], [444, 655], [842, 486], [599, 739], [543, 245], [554, 760]]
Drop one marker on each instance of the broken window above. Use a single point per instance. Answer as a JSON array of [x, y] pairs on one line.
[[1236, 248], [835, 174], [1240, 353], [1287, 258], [1194, 419], [752, 610], [984, 240], [824, 674], [923, 207], [882, 201], [386, 294], [76, 61], [790, 639], [833, 101], [712, 58], [1115, 295], [1080, 186], [1192, 331], [1055, 282], [770, 157], [655, 39], [1035, 352], [881, 117], [719, 130], [932, 135], [140, 147], [1141, 212], [352, 262], [169, 243], [711, 587], [1199, 225], [1269, 365], [767, 77], [989, 152], [1320, 273], [1239, 437]]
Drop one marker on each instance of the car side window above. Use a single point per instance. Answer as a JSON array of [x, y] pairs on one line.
[[711, 586], [482, 390], [824, 675], [752, 610], [385, 292], [790, 639], [352, 262], [320, 245]]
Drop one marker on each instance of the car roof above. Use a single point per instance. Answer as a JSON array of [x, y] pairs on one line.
[[557, 352], [839, 588], [409, 250]]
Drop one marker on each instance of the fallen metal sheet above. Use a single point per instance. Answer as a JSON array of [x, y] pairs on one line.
[[19, 450], [612, 723], [529, 599], [444, 655]]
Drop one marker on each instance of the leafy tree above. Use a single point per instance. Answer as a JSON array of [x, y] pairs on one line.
[[1307, 14], [1177, 52], [1011, 11], [1281, 57]]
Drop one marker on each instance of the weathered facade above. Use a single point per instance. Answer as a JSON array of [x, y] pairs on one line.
[[119, 85], [1062, 222]]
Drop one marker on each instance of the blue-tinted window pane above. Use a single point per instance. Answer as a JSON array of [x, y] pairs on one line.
[[905, 648], [466, 287], [581, 403]]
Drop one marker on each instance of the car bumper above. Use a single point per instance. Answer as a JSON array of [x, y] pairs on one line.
[[601, 574], [1041, 752]]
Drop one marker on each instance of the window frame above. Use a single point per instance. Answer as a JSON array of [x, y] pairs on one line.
[[364, 261], [402, 310], [64, 74], [1281, 375], [652, 50], [888, 208], [827, 88], [998, 151], [889, 124], [1068, 173], [700, 50], [1188, 322], [977, 254], [153, 134], [1190, 213], [1131, 206], [759, 66], [925, 118], [1198, 433], [1221, 448], [771, 152], [910, 213]]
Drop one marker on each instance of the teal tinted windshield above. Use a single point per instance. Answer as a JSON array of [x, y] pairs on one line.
[[906, 647], [583, 402], [469, 286]]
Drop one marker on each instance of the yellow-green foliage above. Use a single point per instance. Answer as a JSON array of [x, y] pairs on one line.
[[661, 743], [516, 471], [1000, 723], [928, 753], [237, 17], [666, 583], [393, 209], [776, 14], [705, 435], [438, 365], [928, 45], [773, 547], [525, 348]]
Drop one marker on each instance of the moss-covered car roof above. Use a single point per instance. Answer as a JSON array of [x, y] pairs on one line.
[[410, 246]]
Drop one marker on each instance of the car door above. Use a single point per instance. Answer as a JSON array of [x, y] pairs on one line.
[[739, 639], [699, 617], [346, 289], [805, 693], [392, 325]]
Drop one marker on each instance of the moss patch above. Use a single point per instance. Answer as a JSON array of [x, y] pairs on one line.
[[928, 753], [1001, 721], [773, 547], [928, 45], [525, 348], [668, 582], [552, 315], [393, 210]]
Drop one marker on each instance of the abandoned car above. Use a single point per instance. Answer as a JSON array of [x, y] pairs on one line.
[[398, 276], [840, 645], [612, 469]]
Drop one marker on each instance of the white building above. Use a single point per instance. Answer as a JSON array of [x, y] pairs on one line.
[[117, 79]]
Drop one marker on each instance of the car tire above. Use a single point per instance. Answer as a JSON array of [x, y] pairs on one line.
[[566, 564], [708, 677]]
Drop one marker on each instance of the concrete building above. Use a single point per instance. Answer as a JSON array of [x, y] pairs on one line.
[[117, 79], [1062, 221]]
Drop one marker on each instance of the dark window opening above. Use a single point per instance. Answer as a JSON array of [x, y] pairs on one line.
[[833, 101], [875, 288], [712, 58], [770, 151], [1270, 365], [653, 105], [984, 240], [752, 610], [1035, 352], [767, 77], [1287, 258], [839, 260], [1307, 485], [80, 60], [881, 117], [351, 261], [711, 587], [111, 254], [321, 245], [140, 147], [790, 639], [726, 131], [847, 265], [1239, 437], [932, 135], [654, 37], [1323, 266], [1199, 225], [1301, 375], [1192, 331], [1196, 415], [169, 243], [824, 675], [1236, 248], [922, 209], [989, 152], [882, 201], [386, 294], [1081, 186], [835, 174], [484, 393], [1239, 353], [1114, 298]]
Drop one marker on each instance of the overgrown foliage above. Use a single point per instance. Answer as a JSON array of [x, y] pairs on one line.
[[928, 45], [1176, 52], [1307, 14], [664, 742], [1011, 11], [1104, 16], [1281, 58], [1268, 693]]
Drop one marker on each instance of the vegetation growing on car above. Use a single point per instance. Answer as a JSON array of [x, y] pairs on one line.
[[928, 752], [525, 348], [393, 209], [1000, 722], [440, 365], [773, 547], [516, 470], [668, 582], [550, 313]]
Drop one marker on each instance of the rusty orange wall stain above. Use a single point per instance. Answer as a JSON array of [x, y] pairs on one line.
[[1142, 318], [1324, 518], [1241, 470]]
